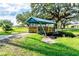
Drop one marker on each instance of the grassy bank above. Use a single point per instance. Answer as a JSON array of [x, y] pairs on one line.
[[63, 47], [13, 49], [31, 45]]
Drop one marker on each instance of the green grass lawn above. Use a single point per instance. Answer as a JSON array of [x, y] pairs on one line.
[[14, 31], [11, 50], [33, 46], [20, 29], [74, 31], [62, 47]]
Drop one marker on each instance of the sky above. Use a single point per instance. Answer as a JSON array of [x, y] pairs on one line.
[[39, 1], [10, 10]]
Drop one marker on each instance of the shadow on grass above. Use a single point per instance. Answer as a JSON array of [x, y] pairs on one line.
[[59, 50], [55, 49]]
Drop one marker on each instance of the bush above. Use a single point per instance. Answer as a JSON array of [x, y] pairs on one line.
[[6, 25], [7, 28], [61, 34], [66, 34]]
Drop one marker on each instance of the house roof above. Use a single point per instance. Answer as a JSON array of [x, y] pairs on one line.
[[34, 20]]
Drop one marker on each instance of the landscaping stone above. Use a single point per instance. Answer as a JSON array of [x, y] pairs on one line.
[[48, 40]]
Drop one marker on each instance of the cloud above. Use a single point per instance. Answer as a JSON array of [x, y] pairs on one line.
[[10, 10], [11, 18], [14, 1], [13, 9]]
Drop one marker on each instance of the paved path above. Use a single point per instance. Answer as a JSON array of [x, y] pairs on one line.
[[13, 36], [20, 35], [5, 36]]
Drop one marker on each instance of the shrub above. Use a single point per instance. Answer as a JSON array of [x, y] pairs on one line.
[[6, 25], [61, 34]]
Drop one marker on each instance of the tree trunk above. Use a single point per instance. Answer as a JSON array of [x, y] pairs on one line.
[[63, 26], [55, 25]]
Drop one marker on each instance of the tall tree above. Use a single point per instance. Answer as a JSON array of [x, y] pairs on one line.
[[54, 11], [22, 17]]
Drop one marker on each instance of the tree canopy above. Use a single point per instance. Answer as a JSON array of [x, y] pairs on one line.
[[60, 12], [22, 17], [55, 11]]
